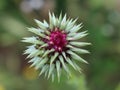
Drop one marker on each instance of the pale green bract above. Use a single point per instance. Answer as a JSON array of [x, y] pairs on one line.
[[49, 61]]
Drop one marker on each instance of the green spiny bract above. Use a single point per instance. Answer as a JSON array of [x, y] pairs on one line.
[[56, 45]]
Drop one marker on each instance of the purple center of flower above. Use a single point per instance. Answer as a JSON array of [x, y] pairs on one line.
[[57, 40]]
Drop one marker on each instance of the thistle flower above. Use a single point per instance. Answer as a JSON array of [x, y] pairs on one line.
[[56, 46]]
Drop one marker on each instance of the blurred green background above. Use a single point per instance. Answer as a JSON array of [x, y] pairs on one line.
[[100, 17]]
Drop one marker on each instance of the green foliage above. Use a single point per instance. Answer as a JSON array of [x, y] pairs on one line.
[[118, 87]]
